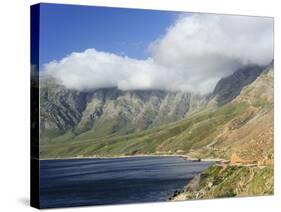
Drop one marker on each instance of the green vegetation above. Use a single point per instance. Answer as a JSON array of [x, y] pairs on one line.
[[191, 133], [231, 181]]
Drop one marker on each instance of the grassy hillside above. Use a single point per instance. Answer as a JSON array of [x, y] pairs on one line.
[[230, 181], [192, 133]]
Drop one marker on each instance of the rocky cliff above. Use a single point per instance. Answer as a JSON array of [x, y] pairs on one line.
[[230, 87], [109, 110]]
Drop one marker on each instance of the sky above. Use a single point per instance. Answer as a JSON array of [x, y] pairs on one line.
[[70, 28], [87, 48]]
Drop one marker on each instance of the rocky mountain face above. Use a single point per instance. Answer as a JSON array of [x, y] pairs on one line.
[[114, 111], [109, 110], [60, 108], [230, 87]]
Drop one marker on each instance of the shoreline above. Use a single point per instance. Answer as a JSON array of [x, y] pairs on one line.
[[185, 157]]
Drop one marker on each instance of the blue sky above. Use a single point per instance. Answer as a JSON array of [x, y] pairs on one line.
[[68, 28]]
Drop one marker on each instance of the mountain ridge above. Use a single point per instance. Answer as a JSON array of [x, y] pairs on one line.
[[109, 110]]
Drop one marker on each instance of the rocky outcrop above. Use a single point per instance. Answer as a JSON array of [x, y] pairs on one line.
[[60, 108], [235, 159], [230, 87]]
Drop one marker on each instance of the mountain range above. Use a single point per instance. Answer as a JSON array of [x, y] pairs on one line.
[[112, 122]]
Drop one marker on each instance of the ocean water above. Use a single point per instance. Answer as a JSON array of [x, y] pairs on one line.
[[80, 182]]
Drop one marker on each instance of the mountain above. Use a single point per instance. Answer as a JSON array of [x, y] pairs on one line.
[[60, 108], [247, 140], [109, 111], [230, 87], [249, 134], [116, 122], [247, 137]]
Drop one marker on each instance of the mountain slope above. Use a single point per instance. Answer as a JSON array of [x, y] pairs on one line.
[[248, 137], [60, 108], [251, 133], [230, 87], [108, 111], [212, 132], [231, 181]]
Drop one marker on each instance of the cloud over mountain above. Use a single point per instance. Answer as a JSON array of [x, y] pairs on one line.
[[192, 55]]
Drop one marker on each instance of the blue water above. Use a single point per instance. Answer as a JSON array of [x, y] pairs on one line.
[[78, 182]]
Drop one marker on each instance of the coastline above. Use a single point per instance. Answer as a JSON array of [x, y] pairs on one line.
[[185, 157]]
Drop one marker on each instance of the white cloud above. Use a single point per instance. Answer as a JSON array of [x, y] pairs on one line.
[[192, 55], [93, 69]]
